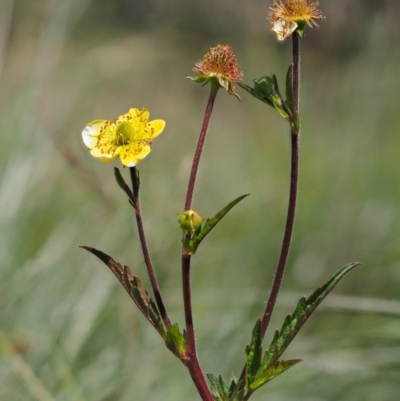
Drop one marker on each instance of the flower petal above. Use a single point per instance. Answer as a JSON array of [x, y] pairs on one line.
[[91, 132], [108, 159], [133, 153], [95, 152], [142, 114], [156, 127], [283, 28], [134, 114]]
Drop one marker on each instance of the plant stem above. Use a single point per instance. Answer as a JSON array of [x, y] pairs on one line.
[[192, 361], [294, 177], [187, 302], [200, 145], [145, 250]]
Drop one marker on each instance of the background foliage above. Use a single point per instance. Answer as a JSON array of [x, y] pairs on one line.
[[68, 331]]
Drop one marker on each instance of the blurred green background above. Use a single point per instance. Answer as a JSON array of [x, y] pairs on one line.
[[68, 331]]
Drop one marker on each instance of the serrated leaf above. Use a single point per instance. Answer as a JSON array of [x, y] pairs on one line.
[[124, 186], [273, 371], [176, 342], [253, 354], [293, 323], [211, 223], [134, 288], [234, 393], [218, 387]]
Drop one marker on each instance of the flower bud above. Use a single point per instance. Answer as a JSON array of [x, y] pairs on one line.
[[189, 221]]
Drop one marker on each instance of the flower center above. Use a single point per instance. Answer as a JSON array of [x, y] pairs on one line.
[[125, 133]]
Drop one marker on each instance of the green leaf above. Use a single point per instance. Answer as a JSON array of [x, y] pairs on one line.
[[176, 342], [247, 88], [218, 388], [276, 86], [124, 186], [211, 223], [293, 323], [253, 354], [235, 394], [266, 89], [134, 288], [273, 371]]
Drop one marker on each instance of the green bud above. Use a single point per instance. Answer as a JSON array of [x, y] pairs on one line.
[[189, 221]]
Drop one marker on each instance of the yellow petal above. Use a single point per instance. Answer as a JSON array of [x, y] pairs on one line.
[[132, 154], [91, 132], [156, 127], [95, 152], [142, 114], [133, 114], [108, 159]]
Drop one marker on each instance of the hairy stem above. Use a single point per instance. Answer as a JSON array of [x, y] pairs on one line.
[[294, 178], [192, 361], [200, 145], [280, 269], [145, 250], [291, 212], [187, 303]]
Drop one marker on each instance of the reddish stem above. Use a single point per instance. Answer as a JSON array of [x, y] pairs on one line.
[[200, 145], [192, 361], [294, 178], [145, 250]]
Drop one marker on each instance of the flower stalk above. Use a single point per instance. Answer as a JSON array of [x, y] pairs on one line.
[[145, 250], [200, 146], [193, 364], [219, 68], [294, 177]]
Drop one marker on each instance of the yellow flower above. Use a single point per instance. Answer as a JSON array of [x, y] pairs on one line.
[[219, 66], [129, 137], [291, 15]]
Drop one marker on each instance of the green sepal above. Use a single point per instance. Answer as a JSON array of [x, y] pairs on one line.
[[124, 186], [176, 342], [216, 81], [134, 288], [253, 355], [293, 323], [273, 371], [200, 79], [301, 26], [193, 243]]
